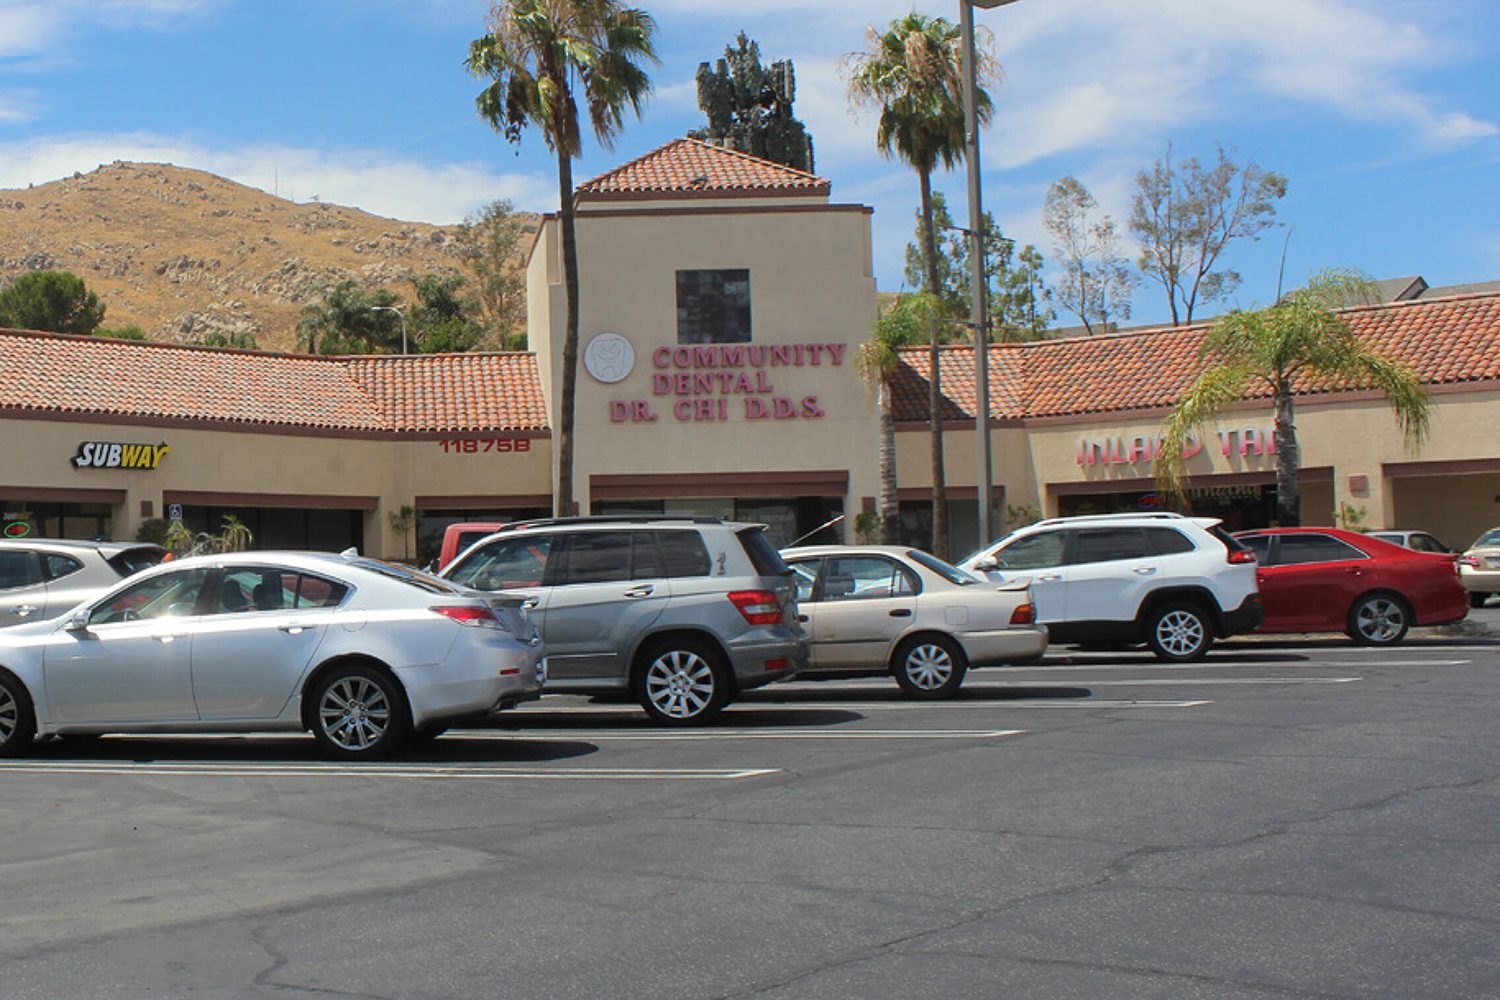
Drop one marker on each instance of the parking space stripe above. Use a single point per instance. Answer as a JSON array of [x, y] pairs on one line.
[[1257, 665], [427, 772]]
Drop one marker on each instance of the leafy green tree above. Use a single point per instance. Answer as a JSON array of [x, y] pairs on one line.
[[912, 72], [1018, 301], [242, 340], [1185, 215], [539, 57], [131, 332], [1299, 338], [1097, 282], [878, 359], [55, 301], [491, 243], [440, 318], [749, 107], [344, 320]]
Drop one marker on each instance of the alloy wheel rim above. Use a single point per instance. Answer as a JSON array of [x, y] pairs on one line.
[[1380, 620], [929, 666], [1180, 633], [10, 716], [355, 713], [680, 684]]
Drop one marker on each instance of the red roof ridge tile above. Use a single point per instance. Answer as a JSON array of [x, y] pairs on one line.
[[795, 181]]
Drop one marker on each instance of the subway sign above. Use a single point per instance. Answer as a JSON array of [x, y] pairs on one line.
[[119, 455]]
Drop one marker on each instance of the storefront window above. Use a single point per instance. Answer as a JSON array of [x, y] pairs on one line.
[[713, 307], [30, 519], [786, 519], [285, 527]]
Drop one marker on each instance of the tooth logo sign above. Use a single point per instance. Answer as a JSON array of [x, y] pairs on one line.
[[114, 455]]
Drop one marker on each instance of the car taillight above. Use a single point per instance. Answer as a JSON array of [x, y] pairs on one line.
[[469, 614], [760, 607], [1025, 614], [1470, 561], [1238, 556]]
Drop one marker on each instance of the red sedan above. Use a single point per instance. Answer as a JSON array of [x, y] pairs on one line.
[[1332, 580]]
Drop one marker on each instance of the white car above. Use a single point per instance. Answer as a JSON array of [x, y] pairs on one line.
[[361, 652], [1172, 582], [890, 609]]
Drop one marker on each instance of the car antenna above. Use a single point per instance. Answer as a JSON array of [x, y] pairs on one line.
[[826, 524]]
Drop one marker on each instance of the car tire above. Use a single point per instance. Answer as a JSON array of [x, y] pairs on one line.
[[358, 712], [1379, 619], [1477, 600], [1179, 633], [928, 667], [17, 718], [682, 682]]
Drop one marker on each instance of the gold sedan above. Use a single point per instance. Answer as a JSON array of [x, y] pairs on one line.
[[890, 609]]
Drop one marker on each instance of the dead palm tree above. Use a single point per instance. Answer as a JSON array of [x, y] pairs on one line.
[[1299, 338], [543, 58], [913, 73]]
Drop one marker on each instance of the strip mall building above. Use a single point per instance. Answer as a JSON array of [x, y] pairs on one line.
[[723, 300]]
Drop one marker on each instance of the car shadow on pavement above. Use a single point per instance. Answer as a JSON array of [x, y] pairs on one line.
[[278, 749], [971, 691], [743, 714]]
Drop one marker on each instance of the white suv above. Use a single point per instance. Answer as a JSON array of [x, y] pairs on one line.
[[1173, 582]]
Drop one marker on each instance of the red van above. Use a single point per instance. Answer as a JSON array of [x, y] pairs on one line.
[[459, 536]]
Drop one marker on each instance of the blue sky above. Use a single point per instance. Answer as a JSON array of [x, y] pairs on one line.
[[1384, 114]]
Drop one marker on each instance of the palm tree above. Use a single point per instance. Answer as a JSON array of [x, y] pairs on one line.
[[539, 57], [877, 361], [913, 73], [1299, 338]]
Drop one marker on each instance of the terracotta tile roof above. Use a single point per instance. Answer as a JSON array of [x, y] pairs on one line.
[[693, 168], [1446, 340], [49, 373]]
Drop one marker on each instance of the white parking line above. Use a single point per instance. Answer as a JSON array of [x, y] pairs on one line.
[[890, 706], [1257, 665], [428, 772]]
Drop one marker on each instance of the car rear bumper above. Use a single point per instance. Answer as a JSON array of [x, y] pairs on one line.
[[1248, 617], [759, 662], [1483, 581], [473, 686], [1008, 645]]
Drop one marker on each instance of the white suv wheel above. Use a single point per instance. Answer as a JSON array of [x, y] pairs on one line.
[[1178, 633]]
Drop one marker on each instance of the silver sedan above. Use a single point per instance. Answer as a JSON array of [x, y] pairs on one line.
[[872, 608], [365, 654]]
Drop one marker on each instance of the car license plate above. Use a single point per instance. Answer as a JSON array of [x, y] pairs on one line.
[[1493, 562]]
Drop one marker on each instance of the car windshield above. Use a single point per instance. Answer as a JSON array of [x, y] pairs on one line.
[[952, 574]]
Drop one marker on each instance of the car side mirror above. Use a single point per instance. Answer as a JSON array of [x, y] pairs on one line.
[[987, 565], [79, 622]]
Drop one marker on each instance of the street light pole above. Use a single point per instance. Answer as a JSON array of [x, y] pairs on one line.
[[398, 312], [985, 466]]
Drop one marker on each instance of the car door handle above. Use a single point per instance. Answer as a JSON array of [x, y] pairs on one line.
[[899, 612], [293, 628], [168, 638], [531, 602], [25, 609], [1144, 570], [645, 591], [803, 618], [1050, 577]]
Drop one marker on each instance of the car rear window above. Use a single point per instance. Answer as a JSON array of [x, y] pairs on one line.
[[763, 555], [1260, 544], [132, 561], [948, 572], [1169, 541], [407, 575], [683, 553]]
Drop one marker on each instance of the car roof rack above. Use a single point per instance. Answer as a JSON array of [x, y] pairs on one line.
[[1148, 515], [549, 522]]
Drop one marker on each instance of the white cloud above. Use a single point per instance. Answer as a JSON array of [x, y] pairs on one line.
[[369, 180]]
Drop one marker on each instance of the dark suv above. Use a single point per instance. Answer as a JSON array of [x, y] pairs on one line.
[[682, 612]]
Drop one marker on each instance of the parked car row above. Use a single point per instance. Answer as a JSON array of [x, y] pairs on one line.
[[682, 614]]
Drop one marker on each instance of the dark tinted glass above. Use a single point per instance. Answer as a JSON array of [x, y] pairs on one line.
[[1299, 549], [763, 555], [948, 572], [17, 569], [59, 566], [1234, 544], [645, 563], [1169, 541], [405, 574], [316, 592], [1032, 552], [514, 561], [683, 553], [713, 307], [132, 561], [1091, 545], [1259, 544], [596, 557]]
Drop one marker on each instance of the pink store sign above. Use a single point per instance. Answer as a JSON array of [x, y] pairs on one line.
[[720, 382], [1243, 441]]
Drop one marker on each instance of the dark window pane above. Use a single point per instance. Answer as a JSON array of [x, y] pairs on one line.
[[1168, 541], [1260, 545], [763, 555], [1032, 552], [1299, 549], [645, 564], [1092, 545], [713, 307], [170, 595], [596, 557], [59, 566], [504, 563], [316, 592], [17, 569], [683, 553]]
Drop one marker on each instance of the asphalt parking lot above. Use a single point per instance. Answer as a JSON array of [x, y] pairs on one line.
[[1285, 819]]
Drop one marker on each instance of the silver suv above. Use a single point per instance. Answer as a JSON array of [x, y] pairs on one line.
[[682, 612], [40, 578], [1175, 583]]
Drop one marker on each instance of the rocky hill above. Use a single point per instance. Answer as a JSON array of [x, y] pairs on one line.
[[181, 252]]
